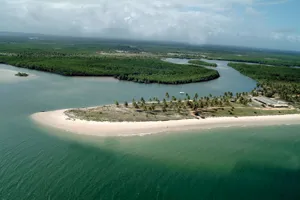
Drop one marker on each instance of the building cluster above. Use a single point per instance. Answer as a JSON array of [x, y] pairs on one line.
[[271, 102]]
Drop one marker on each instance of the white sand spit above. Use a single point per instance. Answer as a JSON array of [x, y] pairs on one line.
[[58, 119]]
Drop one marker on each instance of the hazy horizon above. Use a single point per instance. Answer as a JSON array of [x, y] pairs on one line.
[[269, 24]]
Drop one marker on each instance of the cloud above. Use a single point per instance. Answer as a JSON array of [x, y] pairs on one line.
[[193, 21], [271, 2], [252, 11]]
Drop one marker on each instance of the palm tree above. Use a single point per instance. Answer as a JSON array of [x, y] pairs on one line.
[[117, 103], [126, 104], [145, 108], [196, 96], [167, 95], [173, 98], [164, 109], [135, 105], [152, 106], [164, 102], [258, 85]]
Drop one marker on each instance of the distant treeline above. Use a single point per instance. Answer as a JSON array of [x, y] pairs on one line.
[[136, 69], [282, 60], [272, 73], [201, 62]]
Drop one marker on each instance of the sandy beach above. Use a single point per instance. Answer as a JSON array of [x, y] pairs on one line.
[[57, 119]]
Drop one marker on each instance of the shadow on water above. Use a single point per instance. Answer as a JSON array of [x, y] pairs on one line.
[[98, 173]]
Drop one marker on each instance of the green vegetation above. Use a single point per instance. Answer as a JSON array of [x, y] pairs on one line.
[[265, 58], [203, 63], [21, 74], [176, 109], [282, 82], [136, 69]]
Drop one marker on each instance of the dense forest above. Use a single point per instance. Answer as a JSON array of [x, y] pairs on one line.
[[264, 59], [282, 81], [136, 69], [203, 63]]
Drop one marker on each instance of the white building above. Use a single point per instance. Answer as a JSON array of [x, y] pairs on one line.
[[271, 102]]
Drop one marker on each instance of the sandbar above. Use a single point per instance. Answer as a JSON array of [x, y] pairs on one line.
[[59, 120]]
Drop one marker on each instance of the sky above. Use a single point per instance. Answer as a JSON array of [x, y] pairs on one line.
[[255, 23]]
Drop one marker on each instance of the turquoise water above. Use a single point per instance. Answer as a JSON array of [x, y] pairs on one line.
[[40, 163]]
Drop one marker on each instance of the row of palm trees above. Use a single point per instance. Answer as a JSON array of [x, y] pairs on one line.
[[171, 103]]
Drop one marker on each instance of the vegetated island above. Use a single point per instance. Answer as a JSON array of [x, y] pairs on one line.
[[202, 63], [169, 115], [21, 74], [136, 69]]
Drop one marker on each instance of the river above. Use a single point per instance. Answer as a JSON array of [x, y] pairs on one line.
[[40, 163]]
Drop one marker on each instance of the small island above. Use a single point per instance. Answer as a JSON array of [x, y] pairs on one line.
[[21, 74], [202, 63]]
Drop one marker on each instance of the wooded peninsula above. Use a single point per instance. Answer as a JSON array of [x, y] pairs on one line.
[[136, 69]]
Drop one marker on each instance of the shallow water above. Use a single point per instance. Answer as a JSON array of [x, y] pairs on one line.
[[40, 163]]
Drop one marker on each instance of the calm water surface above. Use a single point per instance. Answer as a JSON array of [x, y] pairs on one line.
[[39, 163]]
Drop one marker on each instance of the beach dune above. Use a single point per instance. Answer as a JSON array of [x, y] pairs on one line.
[[57, 119]]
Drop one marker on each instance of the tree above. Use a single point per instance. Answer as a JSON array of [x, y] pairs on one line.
[[173, 98], [135, 105], [196, 96], [167, 95], [164, 108], [126, 104], [145, 108], [117, 103]]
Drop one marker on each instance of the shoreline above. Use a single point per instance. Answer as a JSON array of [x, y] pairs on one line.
[[59, 120]]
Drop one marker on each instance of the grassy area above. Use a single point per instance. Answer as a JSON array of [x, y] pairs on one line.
[[245, 111], [203, 63], [121, 113]]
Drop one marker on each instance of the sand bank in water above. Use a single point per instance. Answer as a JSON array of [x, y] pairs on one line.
[[57, 119]]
